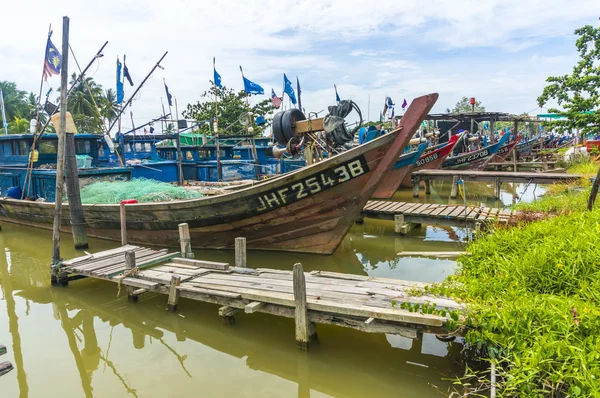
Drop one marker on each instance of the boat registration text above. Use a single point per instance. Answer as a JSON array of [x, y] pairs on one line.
[[312, 185]]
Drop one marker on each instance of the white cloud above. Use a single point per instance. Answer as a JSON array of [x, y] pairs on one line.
[[396, 48]]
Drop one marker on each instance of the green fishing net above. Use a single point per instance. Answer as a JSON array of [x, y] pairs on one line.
[[142, 189]]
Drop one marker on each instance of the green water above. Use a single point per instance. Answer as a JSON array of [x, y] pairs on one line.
[[83, 340]]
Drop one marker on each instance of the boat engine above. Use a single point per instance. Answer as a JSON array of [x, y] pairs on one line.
[[295, 133]]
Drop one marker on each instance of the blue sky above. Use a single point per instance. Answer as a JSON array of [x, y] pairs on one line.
[[500, 52]]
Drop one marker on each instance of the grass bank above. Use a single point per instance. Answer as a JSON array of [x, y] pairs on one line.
[[533, 294]]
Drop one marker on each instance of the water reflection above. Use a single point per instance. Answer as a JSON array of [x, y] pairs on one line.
[[84, 341]]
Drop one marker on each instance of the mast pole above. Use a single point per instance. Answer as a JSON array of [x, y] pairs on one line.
[[138, 89], [4, 123], [60, 160], [178, 144]]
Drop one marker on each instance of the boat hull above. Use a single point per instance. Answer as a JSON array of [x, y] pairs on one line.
[[308, 211], [431, 160], [475, 160], [504, 151], [393, 177]]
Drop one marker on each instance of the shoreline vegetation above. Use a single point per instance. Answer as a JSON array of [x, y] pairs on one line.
[[533, 293]]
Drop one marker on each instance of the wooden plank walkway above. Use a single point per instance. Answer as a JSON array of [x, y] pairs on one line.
[[428, 213], [494, 176], [365, 303]]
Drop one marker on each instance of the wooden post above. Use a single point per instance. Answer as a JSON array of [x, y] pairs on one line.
[[497, 188], [416, 181], [398, 223], [594, 192], [427, 187], [173, 293], [305, 330], [545, 161], [477, 228], [185, 242], [454, 188], [123, 216], [240, 252], [80, 240], [129, 265], [514, 159], [60, 153]]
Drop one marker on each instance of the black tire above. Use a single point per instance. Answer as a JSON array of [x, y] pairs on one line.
[[290, 117], [277, 129]]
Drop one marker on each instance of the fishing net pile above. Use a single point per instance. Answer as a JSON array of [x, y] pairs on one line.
[[142, 189]]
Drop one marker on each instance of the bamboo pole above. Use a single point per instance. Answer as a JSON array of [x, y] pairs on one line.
[[60, 161]]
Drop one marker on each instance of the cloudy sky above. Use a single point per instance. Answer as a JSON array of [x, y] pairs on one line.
[[497, 51]]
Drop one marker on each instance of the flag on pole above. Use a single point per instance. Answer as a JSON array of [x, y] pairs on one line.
[[337, 97], [404, 104], [120, 91], [53, 60], [299, 93], [389, 105], [250, 87], [169, 96], [275, 99], [126, 74], [217, 77], [289, 89]]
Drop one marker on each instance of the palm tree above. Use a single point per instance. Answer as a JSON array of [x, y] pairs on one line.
[[85, 103], [15, 101], [109, 108]]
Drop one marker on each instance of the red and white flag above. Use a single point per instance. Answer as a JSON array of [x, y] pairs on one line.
[[275, 99]]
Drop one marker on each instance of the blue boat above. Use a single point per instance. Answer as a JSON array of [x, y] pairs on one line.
[[140, 155], [14, 159]]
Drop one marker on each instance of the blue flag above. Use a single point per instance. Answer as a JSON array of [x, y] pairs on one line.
[[289, 89], [169, 96], [217, 77], [337, 97], [120, 91], [252, 88]]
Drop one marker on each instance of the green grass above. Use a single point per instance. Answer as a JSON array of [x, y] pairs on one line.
[[559, 199], [533, 298]]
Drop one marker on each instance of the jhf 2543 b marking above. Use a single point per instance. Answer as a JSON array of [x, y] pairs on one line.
[[312, 185]]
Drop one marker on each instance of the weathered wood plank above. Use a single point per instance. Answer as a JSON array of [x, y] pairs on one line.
[[253, 307], [201, 263]]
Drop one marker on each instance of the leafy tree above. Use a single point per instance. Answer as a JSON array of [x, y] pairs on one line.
[[15, 101], [231, 107], [463, 106], [109, 107], [578, 93], [19, 125]]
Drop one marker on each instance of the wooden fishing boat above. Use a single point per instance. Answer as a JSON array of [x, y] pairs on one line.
[[403, 166], [309, 210], [432, 159], [474, 160], [505, 150]]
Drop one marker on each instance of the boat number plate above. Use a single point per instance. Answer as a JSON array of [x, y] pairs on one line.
[[312, 185]]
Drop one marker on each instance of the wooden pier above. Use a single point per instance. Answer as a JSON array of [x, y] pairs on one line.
[[545, 165], [364, 303], [407, 215], [496, 177]]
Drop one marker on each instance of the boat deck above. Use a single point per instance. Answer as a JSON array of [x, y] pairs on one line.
[[360, 302], [428, 213]]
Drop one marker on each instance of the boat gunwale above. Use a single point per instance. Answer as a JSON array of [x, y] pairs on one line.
[[237, 194]]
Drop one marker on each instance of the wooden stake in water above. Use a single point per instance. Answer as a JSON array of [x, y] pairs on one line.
[[240, 252], [60, 153]]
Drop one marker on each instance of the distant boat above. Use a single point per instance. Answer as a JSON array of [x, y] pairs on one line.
[[432, 159], [474, 160], [309, 210], [505, 150]]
